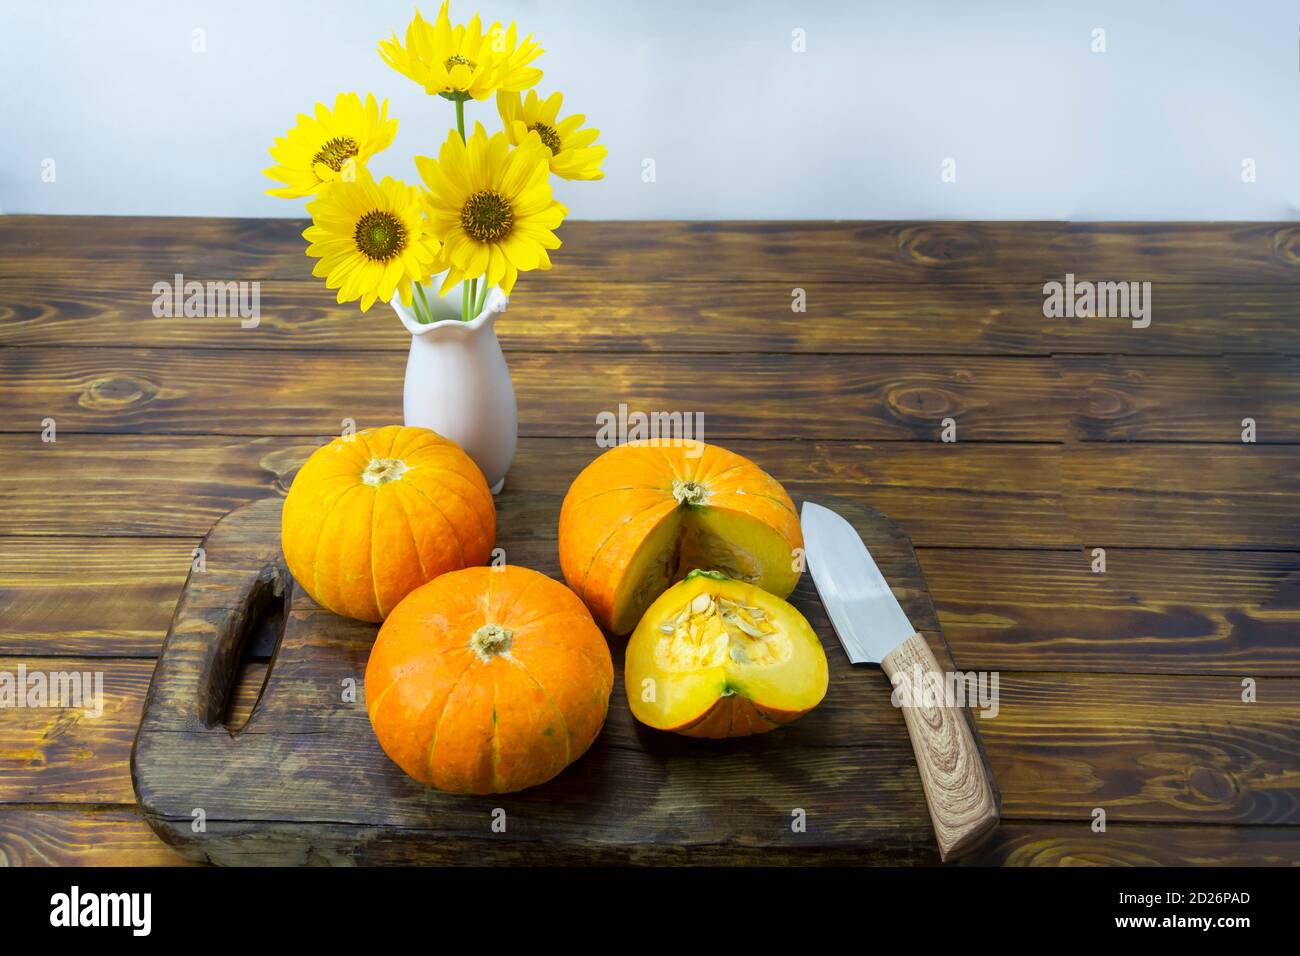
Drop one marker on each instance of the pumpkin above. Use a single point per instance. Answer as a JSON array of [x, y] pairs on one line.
[[715, 657], [372, 516], [643, 514], [488, 680]]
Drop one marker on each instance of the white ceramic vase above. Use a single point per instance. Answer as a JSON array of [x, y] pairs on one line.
[[457, 381]]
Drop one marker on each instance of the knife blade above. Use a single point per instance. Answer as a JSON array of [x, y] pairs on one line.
[[872, 626], [866, 616]]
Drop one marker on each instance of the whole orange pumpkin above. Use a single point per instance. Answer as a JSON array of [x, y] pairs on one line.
[[372, 516], [488, 680], [647, 513]]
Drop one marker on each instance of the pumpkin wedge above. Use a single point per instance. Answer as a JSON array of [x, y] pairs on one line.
[[715, 657], [643, 514]]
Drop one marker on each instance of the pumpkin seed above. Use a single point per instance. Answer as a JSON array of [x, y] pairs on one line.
[[701, 604], [667, 628]]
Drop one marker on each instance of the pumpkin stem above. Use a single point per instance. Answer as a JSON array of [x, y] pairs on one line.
[[491, 640], [383, 470], [688, 492]]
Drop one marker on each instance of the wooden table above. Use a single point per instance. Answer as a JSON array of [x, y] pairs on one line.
[[1120, 691]]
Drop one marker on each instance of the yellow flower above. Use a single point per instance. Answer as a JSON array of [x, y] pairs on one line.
[[572, 154], [371, 239], [463, 61], [491, 207], [335, 144]]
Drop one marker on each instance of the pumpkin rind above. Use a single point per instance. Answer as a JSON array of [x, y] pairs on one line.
[[478, 718], [359, 536], [642, 503]]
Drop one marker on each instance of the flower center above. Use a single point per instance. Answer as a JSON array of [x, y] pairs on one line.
[[458, 60], [549, 136], [490, 640], [487, 216], [336, 152], [380, 235]]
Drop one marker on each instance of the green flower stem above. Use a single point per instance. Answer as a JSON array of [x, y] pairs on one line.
[[427, 315], [415, 307], [465, 291], [482, 297]]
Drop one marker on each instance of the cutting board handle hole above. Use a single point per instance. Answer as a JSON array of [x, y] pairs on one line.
[[254, 638]]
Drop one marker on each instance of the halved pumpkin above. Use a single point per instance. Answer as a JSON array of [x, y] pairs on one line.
[[643, 514], [715, 657]]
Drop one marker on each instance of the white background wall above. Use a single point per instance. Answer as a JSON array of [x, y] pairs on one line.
[[739, 126]]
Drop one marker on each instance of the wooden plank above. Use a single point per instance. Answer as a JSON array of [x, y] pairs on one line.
[[587, 314], [749, 396], [203, 391], [1135, 844], [69, 754], [1183, 496], [959, 495], [956, 495], [881, 251], [111, 837], [80, 837], [1168, 612], [129, 485], [1146, 748], [89, 596], [1171, 612], [1183, 399], [964, 494]]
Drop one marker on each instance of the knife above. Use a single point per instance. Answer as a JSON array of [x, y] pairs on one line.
[[873, 629]]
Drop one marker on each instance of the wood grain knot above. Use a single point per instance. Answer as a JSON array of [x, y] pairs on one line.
[[921, 401], [117, 392], [1287, 242], [1212, 787], [938, 244], [1106, 403], [282, 463]]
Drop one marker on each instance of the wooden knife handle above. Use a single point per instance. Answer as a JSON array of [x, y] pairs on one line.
[[960, 795]]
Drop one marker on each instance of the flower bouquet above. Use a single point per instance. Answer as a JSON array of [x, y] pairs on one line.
[[482, 213]]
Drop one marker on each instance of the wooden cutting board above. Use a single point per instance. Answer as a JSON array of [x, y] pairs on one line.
[[305, 781]]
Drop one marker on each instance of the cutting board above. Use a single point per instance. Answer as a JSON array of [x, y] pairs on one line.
[[304, 780]]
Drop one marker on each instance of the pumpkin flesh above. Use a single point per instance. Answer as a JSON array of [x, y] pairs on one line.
[[714, 657]]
